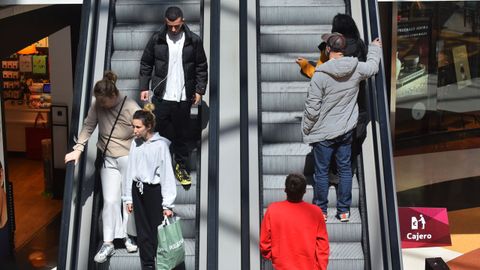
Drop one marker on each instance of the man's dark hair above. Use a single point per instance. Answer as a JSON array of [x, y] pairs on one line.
[[295, 187], [335, 41], [173, 13]]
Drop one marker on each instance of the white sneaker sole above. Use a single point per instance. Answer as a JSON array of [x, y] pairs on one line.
[[132, 250], [104, 260]]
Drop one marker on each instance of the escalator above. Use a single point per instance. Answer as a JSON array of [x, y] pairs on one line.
[[113, 37], [284, 36], [135, 22], [127, 26], [290, 29]]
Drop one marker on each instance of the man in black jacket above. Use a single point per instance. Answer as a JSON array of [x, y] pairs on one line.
[[174, 61]]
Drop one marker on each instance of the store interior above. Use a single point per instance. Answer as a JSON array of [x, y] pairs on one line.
[[26, 102]]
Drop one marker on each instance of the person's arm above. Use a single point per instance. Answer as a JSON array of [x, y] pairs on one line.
[[167, 178], [146, 67], [312, 104], [128, 179], [322, 247], [266, 237], [306, 68], [370, 67], [201, 69], [89, 126]]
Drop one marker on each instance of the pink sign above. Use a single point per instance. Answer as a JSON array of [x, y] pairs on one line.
[[424, 227]]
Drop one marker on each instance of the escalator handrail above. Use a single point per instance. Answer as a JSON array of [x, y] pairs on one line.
[[72, 189], [384, 154], [97, 191], [66, 213]]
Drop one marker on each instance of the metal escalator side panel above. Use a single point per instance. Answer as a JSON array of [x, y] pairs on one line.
[[76, 214], [382, 208]]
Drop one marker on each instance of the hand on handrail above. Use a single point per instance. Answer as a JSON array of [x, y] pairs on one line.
[[73, 156]]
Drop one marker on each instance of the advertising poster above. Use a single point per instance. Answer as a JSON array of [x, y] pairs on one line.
[[424, 227]]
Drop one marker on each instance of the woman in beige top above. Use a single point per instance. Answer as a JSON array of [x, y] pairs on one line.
[[103, 112]]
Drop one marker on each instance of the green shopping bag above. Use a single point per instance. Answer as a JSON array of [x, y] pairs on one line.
[[171, 247]]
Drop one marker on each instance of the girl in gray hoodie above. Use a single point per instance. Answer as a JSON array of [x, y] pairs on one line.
[[150, 183]]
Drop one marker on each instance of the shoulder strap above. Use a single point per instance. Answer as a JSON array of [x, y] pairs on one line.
[[111, 131]]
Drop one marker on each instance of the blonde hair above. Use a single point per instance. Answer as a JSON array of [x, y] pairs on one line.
[[106, 87]]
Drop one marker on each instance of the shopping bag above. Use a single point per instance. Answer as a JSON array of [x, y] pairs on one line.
[[171, 247]]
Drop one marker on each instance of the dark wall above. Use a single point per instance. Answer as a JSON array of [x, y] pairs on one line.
[[26, 28]]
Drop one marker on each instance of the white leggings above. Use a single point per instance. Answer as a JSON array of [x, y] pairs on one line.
[[112, 177]]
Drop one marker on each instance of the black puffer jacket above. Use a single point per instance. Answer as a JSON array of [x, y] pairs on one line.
[[155, 58]]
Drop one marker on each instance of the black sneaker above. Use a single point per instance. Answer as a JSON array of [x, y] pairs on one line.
[[344, 217], [183, 176]]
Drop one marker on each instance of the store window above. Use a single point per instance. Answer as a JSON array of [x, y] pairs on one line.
[[436, 87], [435, 120]]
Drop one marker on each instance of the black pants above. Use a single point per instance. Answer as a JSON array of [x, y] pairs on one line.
[[172, 122], [148, 212]]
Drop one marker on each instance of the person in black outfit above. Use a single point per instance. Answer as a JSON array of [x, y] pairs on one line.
[[345, 25], [174, 61]]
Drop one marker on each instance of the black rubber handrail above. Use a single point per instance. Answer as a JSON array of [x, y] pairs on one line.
[[73, 186], [97, 190], [379, 112]]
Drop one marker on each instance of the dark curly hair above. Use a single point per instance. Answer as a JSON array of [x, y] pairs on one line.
[[295, 187]]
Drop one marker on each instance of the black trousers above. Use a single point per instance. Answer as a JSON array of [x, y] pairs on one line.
[[172, 122], [148, 212]]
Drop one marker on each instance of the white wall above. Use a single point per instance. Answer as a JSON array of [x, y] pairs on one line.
[[61, 78]]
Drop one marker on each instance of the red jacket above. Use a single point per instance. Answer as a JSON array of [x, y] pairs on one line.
[[294, 236]]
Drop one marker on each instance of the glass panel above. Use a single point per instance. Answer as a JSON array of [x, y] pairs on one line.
[[437, 86]]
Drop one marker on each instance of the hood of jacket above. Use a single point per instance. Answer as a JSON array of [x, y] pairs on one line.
[[157, 137], [154, 138], [339, 68]]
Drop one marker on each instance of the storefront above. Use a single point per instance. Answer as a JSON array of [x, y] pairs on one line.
[[435, 117], [36, 86]]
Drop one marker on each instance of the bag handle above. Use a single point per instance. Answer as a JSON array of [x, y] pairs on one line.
[[111, 132], [166, 220]]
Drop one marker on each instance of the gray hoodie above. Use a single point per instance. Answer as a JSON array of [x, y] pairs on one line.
[[149, 162], [331, 108]]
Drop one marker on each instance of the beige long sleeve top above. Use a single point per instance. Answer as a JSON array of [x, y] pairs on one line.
[[105, 118]]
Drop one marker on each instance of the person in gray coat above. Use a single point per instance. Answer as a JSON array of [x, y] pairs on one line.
[[331, 114]]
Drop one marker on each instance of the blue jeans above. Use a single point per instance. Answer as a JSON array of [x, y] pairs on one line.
[[341, 146]]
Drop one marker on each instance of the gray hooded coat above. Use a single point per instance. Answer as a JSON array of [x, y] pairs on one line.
[[331, 108]]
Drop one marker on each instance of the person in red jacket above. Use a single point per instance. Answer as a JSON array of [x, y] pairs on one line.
[[293, 233]]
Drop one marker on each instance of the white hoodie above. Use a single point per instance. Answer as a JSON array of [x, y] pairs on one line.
[[149, 162]]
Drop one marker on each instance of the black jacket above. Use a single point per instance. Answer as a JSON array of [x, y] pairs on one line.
[[356, 48], [155, 58]]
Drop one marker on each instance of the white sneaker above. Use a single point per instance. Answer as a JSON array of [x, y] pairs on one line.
[[105, 251], [130, 245]]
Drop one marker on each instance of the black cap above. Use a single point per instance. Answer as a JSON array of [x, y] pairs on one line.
[[335, 41]]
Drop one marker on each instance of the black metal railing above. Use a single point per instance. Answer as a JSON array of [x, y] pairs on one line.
[[379, 113]]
